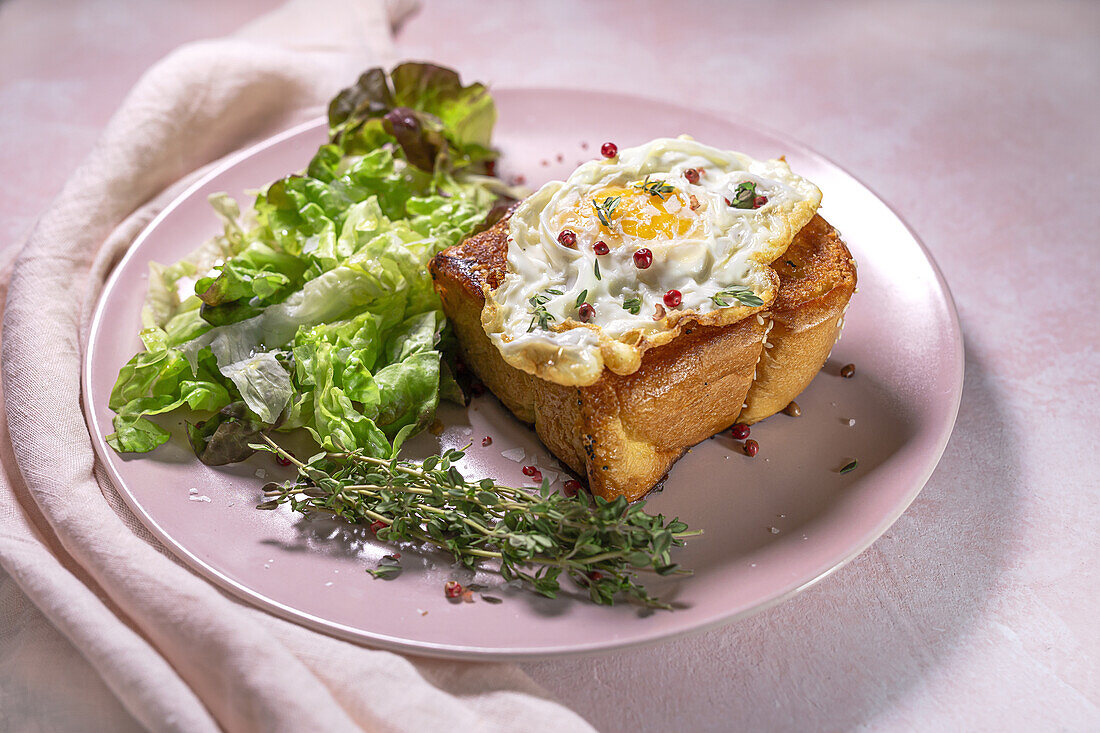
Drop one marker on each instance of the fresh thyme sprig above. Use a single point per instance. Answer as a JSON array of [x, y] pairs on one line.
[[533, 537], [655, 188], [542, 317], [743, 295], [605, 209]]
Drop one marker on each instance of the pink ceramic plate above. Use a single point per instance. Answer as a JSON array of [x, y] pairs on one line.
[[773, 525]]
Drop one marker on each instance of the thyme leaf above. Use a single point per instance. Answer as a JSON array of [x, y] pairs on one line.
[[388, 568], [743, 295], [606, 209], [540, 316], [581, 298], [655, 188], [633, 305]]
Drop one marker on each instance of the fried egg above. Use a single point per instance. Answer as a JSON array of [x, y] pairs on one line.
[[626, 251]]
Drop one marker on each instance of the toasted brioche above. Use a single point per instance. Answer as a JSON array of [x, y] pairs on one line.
[[624, 432]]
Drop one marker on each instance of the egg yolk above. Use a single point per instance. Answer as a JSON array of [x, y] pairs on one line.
[[634, 213]]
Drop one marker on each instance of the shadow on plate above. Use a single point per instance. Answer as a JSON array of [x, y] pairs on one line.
[[337, 538], [851, 646]]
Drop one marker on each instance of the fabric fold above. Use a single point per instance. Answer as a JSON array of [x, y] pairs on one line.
[[177, 652]]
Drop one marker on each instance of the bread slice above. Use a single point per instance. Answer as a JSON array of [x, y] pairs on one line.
[[625, 432]]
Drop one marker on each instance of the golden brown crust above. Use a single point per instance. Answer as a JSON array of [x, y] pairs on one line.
[[640, 424], [625, 432], [818, 279], [476, 261]]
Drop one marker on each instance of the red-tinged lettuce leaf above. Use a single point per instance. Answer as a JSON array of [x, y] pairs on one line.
[[438, 123], [225, 437], [467, 112]]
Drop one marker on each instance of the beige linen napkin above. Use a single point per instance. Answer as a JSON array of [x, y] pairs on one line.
[[175, 652]]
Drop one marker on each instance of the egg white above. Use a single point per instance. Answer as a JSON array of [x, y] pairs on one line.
[[700, 245]]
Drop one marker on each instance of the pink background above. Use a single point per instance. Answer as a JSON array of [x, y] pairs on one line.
[[977, 122]]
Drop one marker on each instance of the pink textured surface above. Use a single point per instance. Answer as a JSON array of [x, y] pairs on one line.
[[976, 610]]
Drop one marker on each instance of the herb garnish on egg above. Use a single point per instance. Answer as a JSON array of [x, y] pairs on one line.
[[743, 295], [656, 188], [746, 197], [606, 209], [542, 318]]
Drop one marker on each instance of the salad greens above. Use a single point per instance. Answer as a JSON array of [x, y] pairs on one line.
[[314, 309]]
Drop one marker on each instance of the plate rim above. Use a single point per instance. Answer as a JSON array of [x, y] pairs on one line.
[[244, 593]]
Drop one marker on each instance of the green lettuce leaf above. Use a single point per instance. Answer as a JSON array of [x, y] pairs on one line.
[[153, 383], [313, 308]]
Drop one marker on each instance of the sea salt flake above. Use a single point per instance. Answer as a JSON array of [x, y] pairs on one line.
[[260, 473], [194, 491], [514, 454], [773, 530], [199, 498]]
